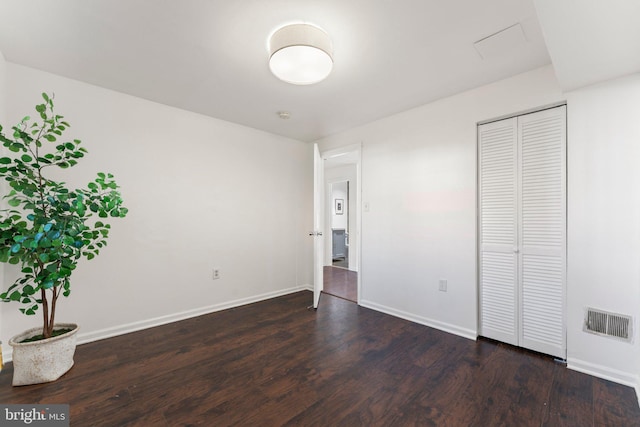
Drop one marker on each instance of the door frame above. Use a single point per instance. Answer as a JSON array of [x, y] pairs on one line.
[[357, 194]]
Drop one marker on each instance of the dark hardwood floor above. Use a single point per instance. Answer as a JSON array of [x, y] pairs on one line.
[[340, 282], [276, 363]]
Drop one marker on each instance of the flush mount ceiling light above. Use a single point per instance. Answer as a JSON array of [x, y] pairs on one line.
[[300, 54]]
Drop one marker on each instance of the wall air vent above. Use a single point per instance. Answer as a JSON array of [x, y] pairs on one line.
[[608, 324]]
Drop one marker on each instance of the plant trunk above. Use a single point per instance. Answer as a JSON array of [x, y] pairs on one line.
[[47, 328], [52, 317]]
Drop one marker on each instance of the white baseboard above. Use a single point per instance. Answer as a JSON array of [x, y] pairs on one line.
[[101, 334], [446, 327], [604, 372]]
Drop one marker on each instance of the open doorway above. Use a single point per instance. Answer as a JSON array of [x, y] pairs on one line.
[[340, 224], [340, 267]]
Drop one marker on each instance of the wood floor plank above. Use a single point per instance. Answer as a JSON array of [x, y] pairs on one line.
[[570, 399], [615, 405], [340, 282], [278, 363]]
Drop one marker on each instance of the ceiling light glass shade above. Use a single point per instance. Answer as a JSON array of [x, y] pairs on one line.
[[300, 54]]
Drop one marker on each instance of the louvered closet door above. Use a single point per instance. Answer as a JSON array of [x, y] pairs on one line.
[[498, 230], [542, 209], [522, 230]]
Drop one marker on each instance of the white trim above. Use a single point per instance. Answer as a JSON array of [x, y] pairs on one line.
[[523, 112], [604, 372], [446, 327], [170, 318]]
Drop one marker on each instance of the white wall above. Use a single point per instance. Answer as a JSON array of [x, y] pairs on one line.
[[419, 178], [202, 193], [339, 191], [604, 222], [3, 72]]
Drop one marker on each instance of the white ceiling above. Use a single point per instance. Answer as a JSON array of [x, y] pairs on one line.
[[591, 40], [210, 56]]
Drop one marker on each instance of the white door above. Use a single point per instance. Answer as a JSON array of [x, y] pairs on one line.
[[542, 207], [318, 223], [522, 230], [498, 230]]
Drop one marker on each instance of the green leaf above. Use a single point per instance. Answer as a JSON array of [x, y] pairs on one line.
[[26, 158], [15, 296], [5, 160], [45, 96]]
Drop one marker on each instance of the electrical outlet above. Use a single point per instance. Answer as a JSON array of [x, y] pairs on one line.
[[442, 286], [216, 273]]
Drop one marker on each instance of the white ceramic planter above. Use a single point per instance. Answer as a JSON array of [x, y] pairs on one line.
[[45, 360]]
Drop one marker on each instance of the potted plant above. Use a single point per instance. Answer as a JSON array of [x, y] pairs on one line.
[[46, 229]]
